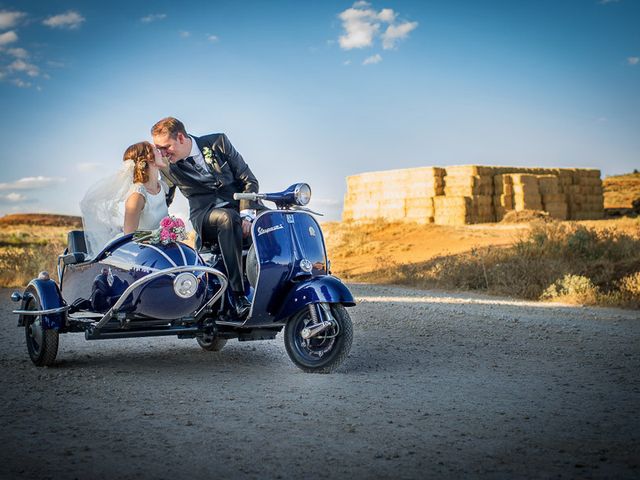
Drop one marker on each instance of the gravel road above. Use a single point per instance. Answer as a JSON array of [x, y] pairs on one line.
[[437, 385]]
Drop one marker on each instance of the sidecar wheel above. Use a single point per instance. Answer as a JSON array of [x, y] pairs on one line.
[[211, 344], [42, 344], [324, 352]]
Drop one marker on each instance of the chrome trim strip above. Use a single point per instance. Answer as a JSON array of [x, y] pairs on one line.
[[168, 271], [167, 257], [126, 267], [42, 312], [184, 258]]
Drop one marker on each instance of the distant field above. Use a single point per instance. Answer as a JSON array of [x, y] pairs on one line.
[[41, 219], [621, 190]]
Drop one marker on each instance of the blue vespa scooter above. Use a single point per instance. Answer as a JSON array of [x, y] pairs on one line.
[[291, 283], [131, 289]]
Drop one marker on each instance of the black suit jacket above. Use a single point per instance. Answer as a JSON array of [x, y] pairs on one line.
[[227, 174]]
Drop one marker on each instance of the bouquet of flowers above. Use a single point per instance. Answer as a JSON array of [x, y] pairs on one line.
[[171, 230]]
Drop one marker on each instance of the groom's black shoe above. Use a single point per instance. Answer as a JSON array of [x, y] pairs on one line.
[[241, 305]]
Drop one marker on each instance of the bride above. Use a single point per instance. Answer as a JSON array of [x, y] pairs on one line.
[[132, 199]]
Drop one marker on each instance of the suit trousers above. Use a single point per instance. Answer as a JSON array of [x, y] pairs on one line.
[[224, 226]]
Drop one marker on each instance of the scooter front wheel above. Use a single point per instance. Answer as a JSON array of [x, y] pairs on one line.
[[324, 352]]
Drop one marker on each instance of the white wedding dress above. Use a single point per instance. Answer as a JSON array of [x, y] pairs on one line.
[[103, 208], [155, 206]]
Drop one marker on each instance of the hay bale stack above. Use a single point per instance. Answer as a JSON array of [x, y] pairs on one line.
[[584, 195], [503, 195], [460, 210], [452, 210], [553, 201], [394, 195], [526, 192], [472, 194]]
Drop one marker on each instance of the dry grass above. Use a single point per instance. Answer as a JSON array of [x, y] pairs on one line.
[[560, 261], [621, 190], [26, 250]]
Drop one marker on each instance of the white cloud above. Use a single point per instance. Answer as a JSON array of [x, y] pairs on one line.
[[393, 33], [13, 197], [8, 37], [18, 52], [373, 59], [362, 25], [212, 38], [88, 167], [387, 15], [346, 63], [31, 183], [604, 2], [184, 33], [10, 19], [22, 84], [22, 66], [70, 20], [153, 17], [633, 60]]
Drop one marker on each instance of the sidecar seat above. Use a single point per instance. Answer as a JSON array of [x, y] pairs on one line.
[[76, 251]]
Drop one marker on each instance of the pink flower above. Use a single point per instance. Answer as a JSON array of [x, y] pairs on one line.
[[173, 236], [166, 222], [179, 223], [164, 235]]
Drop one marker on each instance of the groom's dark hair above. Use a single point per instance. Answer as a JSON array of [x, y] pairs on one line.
[[169, 125]]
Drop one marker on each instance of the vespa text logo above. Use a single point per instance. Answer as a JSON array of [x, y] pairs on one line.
[[262, 231]]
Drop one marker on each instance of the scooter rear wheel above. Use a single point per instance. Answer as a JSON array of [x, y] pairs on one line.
[[324, 352]]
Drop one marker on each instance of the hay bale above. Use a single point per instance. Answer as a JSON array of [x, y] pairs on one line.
[[548, 184]]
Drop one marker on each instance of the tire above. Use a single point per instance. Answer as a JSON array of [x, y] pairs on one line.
[[42, 344], [211, 344], [322, 353]]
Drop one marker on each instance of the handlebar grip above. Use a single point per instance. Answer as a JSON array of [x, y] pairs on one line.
[[246, 196]]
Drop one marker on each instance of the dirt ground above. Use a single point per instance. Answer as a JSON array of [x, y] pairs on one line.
[[437, 385]]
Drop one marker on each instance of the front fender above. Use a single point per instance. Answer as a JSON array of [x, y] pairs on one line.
[[50, 297], [324, 289]]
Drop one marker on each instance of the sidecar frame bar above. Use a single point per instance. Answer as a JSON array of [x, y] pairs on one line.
[[168, 271]]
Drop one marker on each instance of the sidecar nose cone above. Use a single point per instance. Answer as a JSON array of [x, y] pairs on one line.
[[16, 296], [185, 285]]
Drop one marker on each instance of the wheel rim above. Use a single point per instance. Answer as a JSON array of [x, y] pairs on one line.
[[316, 348]]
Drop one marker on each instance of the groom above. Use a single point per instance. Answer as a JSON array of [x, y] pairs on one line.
[[208, 171]]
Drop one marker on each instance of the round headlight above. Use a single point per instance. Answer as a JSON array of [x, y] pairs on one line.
[[302, 194], [185, 285]]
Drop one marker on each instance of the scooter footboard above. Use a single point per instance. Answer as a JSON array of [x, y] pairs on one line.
[[325, 289]]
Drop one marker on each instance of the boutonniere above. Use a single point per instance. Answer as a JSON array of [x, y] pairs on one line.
[[208, 155]]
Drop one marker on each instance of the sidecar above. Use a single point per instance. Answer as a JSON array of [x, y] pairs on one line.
[[129, 289]]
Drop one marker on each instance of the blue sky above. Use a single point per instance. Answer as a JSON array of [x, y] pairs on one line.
[[315, 91]]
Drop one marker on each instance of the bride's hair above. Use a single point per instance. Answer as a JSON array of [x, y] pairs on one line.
[[141, 153]]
